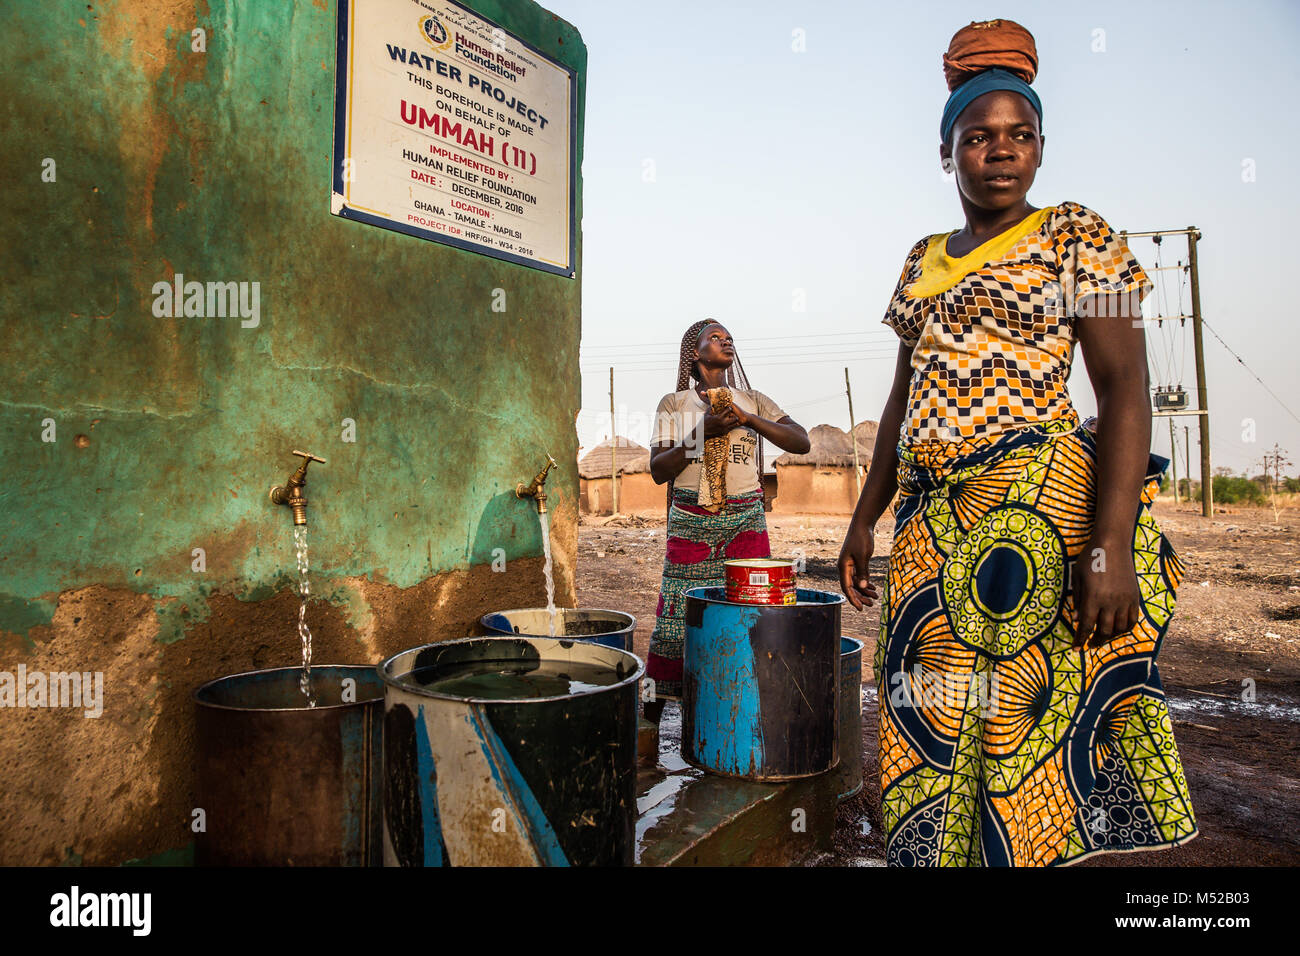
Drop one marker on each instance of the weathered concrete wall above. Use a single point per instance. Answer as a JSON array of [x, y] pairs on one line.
[[169, 432]]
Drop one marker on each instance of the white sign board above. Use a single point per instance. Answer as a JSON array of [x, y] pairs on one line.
[[449, 128]]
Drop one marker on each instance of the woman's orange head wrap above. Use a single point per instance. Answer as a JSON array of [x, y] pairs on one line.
[[988, 44], [987, 56]]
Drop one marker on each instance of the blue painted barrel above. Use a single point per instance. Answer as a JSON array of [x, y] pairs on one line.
[[510, 751], [849, 772], [284, 784], [594, 625], [761, 685]]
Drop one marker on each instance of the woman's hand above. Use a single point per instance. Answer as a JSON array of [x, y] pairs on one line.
[[715, 425], [1107, 602], [855, 561]]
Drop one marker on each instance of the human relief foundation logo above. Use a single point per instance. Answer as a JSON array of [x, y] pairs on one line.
[[431, 29]]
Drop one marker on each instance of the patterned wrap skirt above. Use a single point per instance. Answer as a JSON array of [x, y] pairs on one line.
[[1001, 744], [698, 544]]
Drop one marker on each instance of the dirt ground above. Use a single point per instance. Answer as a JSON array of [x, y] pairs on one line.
[[1236, 626]]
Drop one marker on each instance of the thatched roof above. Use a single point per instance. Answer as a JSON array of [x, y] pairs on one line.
[[831, 446], [865, 432], [632, 459]]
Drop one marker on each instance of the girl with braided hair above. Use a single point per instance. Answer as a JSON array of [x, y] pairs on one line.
[[707, 447]]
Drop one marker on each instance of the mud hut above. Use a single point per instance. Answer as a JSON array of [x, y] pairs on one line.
[[821, 482], [636, 489]]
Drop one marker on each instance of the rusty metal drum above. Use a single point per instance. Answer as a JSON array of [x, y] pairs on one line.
[[849, 772], [283, 784], [594, 625], [761, 685], [510, 751]]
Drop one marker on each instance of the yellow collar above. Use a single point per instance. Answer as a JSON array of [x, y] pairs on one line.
[[940, 272]]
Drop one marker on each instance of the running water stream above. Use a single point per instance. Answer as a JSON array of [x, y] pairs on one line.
[[546, 568], [304, 590]]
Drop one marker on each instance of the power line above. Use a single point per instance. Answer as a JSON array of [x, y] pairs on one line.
[[1243, 364], [668, 367], [787, 358], [754, 350], [882, 334], [814, 401]]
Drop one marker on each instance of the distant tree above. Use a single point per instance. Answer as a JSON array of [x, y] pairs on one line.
[[1231, 490]]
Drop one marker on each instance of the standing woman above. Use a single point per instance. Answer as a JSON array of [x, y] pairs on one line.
[[1022, 720], [703, 532]]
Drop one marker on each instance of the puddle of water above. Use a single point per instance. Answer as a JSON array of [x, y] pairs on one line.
[[670, 738], [660, 792], [658, 803], [1216, 707], [673, 762]]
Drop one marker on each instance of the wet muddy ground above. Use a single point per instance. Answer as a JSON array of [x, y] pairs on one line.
[[1236, 630]]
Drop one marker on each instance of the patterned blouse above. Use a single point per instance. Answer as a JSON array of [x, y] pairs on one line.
[[993, 331]]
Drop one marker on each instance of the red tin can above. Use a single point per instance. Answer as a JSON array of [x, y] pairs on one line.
[[760, 581]]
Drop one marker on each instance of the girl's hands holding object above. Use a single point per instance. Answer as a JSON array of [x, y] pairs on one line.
[[715, 425]]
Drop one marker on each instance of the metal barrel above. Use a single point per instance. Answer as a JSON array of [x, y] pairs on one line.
[[594, 625], [849, 772], [761, 685], [546, 781], [284, 784]]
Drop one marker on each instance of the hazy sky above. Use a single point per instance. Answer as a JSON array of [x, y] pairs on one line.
[[729, 176]]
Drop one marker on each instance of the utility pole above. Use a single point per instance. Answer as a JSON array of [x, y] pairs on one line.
[[853, 438], [613, 442], [1202, 400], [1187, 459], [1173, 459], [1277, 459], [1202, 410]]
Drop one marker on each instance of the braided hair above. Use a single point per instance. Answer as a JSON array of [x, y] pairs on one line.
[[735, 378]]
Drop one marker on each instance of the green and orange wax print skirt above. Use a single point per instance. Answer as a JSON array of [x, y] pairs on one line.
[[1002, 744], [699, 541]]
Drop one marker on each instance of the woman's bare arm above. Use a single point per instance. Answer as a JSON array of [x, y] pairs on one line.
[[1106, 597], [785, 433], [878, 492]]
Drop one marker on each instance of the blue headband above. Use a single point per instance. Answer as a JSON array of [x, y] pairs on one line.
[[978, 85]]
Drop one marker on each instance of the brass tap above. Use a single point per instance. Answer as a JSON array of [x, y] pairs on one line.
[[537, 487], [290, 493]]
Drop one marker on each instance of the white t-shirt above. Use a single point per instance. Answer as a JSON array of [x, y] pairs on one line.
[[680, 413]]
